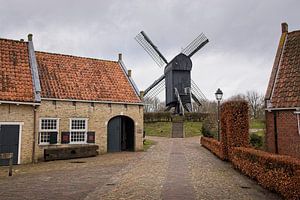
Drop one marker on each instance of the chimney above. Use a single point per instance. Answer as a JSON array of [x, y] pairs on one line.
[[284, 27], [120, 56], [129, 73], [142, 93], [30, 37]]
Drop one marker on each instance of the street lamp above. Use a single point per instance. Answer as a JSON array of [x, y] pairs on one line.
[[219, 95]]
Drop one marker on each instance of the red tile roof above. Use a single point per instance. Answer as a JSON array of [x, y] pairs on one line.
[[284, 86], [79, 78], [15, 72]]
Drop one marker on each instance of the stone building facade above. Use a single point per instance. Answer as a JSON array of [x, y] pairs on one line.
[[50, 100], [283, 97]]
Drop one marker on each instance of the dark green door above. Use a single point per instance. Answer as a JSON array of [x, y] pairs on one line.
[[120, 135], [114, 135], [9, 142]]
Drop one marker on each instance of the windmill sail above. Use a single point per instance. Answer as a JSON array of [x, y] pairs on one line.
[[151, 49], [195, 45], [154, 84]]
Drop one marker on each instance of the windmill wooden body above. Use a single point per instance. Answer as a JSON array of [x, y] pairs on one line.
[[180, 89]]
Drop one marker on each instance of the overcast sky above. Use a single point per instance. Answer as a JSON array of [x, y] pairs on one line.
[[243, 35]]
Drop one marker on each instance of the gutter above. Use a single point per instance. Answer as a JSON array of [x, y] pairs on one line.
[[20, 103], [291, 108]]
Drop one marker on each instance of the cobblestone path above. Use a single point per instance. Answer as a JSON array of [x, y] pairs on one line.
[[171, 169], [178, 184]]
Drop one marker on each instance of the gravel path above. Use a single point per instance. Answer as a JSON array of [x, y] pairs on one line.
[[171, 169]]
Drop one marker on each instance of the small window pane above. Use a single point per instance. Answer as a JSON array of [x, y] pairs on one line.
[[78, 131], [78, 124], [44, 137], [49, 124]]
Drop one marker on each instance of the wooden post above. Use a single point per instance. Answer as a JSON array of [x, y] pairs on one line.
[[8, 156], [10, 166]]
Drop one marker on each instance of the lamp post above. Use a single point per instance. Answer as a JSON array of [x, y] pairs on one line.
[[219, 95]]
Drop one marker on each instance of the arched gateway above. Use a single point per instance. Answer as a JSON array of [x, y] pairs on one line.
[[120, 134]]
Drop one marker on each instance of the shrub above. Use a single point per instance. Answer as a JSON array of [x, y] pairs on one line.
[[209, 125], [167, 117], [256, 140]]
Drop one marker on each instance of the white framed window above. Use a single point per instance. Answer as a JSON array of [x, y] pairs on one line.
[[47, 125], [78, 130]]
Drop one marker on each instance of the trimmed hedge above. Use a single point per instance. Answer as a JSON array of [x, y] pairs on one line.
[[214, 146], [167, 117], [234, 125], [275, 172], [278, 173]]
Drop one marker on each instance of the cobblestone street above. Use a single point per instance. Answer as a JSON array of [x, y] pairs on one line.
[[171, 169]]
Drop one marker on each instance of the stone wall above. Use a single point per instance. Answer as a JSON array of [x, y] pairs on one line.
[[98, 115], [23, 114]]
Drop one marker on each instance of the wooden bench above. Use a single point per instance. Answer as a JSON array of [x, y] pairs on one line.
[[8, 156], [74, 151]]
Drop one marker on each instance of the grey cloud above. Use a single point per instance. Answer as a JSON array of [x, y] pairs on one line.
[[243, 34]]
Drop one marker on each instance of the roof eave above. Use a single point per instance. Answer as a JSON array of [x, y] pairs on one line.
[[20, 103], [283, 108], [276, 65], [94, 101]]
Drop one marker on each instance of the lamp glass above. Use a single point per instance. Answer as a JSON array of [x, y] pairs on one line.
[[219, 94]]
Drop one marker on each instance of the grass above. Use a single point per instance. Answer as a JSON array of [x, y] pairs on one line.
[[160, 129], [257, 124], [148, 144], [163, 129], [192, 129]]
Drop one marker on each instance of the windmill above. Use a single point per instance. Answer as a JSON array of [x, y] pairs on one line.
[[180, 88]]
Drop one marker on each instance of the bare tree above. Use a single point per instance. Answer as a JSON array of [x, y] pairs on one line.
[[256, 102], [152, 104], [238, 97]]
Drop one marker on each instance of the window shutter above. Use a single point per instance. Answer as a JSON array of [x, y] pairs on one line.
[[53, 138], [65, 137], [91, 137]]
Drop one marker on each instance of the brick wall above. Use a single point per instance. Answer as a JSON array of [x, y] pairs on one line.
[[21, 113], [98, 117], [270, 136], [287, 130]]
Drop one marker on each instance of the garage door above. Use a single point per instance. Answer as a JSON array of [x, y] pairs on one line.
[[9, 141]]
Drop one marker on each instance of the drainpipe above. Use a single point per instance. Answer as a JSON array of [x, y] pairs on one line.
[[275, 132], [34, 134]]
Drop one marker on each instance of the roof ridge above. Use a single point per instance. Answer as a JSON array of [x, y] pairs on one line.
[[75, 56], [296, 31], [6, 39]]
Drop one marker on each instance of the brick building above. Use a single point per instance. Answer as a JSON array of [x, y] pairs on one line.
[[50, 100], [283, 97]]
